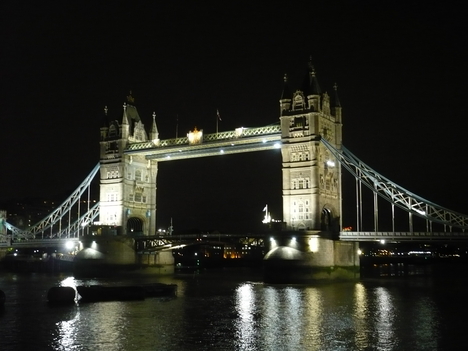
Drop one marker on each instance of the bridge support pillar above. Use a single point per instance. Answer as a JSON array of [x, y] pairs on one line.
[[111, 255], [305, 257]]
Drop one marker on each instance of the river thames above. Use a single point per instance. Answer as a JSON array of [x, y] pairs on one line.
[[232, 309]]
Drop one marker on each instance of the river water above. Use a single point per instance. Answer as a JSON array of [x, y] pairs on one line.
[[232, 309]]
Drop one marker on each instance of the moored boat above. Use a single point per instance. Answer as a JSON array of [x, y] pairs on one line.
[[160, 289], [61, 294], [110, 293], [94, 293]]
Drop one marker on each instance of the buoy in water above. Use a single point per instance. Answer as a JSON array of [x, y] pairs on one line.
[[61, 294]]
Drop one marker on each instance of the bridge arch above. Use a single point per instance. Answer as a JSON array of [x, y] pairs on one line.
[[326, 219], [135, 226]]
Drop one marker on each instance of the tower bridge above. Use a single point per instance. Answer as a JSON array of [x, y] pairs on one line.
[[309, 135]]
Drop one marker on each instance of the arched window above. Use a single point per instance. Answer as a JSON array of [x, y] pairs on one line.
[[138, 175]]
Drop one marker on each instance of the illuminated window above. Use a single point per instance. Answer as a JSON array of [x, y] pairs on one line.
[[138, 197], [138, 175]]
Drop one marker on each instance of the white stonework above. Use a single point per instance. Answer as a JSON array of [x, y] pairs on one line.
[[311, 176], [128, 182]]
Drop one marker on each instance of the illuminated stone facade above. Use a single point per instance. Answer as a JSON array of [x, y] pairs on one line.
[[127, 182], [311, 176]]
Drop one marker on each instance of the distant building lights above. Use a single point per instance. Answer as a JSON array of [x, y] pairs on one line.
[[277, 145], [330, 163], [264, 141], [221, 151], [382, 241]]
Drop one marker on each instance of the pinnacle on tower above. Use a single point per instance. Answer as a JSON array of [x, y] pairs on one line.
[[310, 85], [335, 99], [286, 93], [154, 129]]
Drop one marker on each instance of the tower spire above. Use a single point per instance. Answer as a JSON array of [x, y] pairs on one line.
[[336, 104], [154, 129], [285, 100], [311, 85]]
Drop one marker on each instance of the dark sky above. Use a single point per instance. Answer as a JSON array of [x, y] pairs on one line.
[[400, 69]]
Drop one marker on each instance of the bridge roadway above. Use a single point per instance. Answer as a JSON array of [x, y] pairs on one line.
[[404, 236], [39, 243], [165, 242]]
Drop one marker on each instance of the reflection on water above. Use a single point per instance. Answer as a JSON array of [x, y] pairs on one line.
[[384, 318], [224, 312], [361, 317], [245, 323]]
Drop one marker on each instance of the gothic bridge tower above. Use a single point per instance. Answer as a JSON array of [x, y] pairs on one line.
[[127, 201], [308, 248], [311, 176], [128, 182]]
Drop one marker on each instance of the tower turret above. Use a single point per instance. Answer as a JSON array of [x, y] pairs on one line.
[[104, 125], [285, 100], [311, 88], [154, 135], [336, 105]]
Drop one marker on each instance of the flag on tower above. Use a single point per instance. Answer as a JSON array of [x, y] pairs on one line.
[[217, 113], [265, 208]]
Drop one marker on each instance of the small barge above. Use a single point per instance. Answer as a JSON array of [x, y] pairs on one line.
[[94, 293]]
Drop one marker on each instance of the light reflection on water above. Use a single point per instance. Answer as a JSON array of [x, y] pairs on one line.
[[384, 318], [230, 313], [361, 317]]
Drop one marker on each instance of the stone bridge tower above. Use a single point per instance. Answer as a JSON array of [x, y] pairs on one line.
[[311, 176], [127, 201], [308, 248], [128, 182]]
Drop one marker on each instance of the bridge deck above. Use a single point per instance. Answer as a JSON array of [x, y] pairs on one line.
[[404, 236]]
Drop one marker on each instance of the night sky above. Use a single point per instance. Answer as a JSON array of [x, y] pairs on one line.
[[400, 68]]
